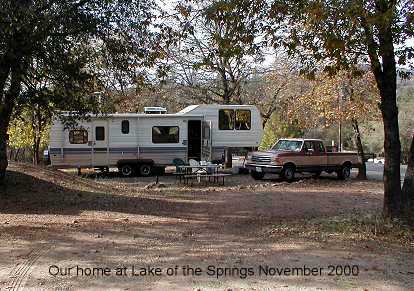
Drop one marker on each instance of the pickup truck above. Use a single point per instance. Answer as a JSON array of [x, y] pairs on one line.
[[290, 156]]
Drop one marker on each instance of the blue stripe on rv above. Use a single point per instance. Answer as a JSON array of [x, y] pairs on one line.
[[67, 151]]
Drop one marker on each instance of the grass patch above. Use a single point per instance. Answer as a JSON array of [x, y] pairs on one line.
[[356, 227]]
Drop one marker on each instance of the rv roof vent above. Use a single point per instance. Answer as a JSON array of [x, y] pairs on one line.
[[155, 110]]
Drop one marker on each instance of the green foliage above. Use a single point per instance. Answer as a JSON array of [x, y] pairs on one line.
[[374, 132], [21, 133], [61, 52], [406, 114], [277, 128]]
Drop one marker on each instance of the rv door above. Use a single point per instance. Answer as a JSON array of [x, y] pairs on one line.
[[206, 140], [99, 143]]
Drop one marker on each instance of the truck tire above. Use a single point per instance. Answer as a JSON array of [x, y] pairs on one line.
[[288, 173], [344, 173], [257, 175], [145, 170], [127, 170]]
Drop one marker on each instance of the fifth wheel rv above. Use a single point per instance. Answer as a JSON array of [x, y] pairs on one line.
[[138, 142]]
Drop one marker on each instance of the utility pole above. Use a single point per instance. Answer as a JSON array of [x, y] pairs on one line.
[[340, 136], [340, 124]]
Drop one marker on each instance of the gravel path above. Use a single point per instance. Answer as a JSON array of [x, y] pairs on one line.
[[56, 228]]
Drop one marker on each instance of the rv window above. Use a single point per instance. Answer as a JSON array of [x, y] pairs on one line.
[[78, 136], [226, 119], [243, 119], [165, 134], [125, 126], [100, 133]]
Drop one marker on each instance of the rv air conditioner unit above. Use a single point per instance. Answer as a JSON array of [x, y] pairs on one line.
[[155, 110]]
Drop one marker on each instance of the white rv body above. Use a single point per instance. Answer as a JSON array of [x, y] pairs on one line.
[[108, 140]]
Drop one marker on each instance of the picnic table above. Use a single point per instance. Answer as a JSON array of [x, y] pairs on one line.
[[207, 172]]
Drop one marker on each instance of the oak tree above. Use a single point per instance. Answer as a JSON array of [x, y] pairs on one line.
[[345, 34], [68, 38]]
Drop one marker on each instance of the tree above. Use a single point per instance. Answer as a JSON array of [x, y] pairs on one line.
[[273, 90], [221, 47], [223, 44], [20, 135], [342, 35], [338, 99], [28, 131], [66, 38], [279, 126]]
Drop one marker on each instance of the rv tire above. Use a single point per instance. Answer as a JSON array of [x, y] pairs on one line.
[[126, 170], [145, 170]]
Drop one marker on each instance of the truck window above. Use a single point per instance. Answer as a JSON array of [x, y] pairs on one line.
[[287, 145], [100, 133], [308, 145], [78, 136], [226, 119], [319, 147], [243, 119], [165, 134]]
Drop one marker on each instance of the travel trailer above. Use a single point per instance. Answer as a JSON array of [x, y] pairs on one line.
[[136, 143]]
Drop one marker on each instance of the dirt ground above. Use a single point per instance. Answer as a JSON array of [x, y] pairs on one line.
[[59, 232]]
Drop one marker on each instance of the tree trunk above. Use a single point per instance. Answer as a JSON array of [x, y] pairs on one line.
[[228, 157], [16, 156], [11, 151], [392, 152], [362, 170], [36, 135], [408, 187], [3, 148], [385, 72], [36, 145], [6, 109]]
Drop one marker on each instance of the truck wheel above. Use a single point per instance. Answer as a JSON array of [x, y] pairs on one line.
[[288, 173], [145, 170], [257, 175], [344, 173], [126, 170]]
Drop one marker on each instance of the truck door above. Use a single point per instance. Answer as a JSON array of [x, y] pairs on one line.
[[206, 140], [311, 160], [321, 154]]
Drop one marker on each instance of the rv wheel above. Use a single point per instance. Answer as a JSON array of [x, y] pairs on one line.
[[126, 170], [145, 170]]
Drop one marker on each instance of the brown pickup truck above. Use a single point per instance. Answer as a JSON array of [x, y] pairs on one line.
[[290, 156]]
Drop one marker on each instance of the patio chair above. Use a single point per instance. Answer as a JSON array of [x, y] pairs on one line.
[[195, 164]]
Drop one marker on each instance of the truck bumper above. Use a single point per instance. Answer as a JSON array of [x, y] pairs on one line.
[[264, 168]]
